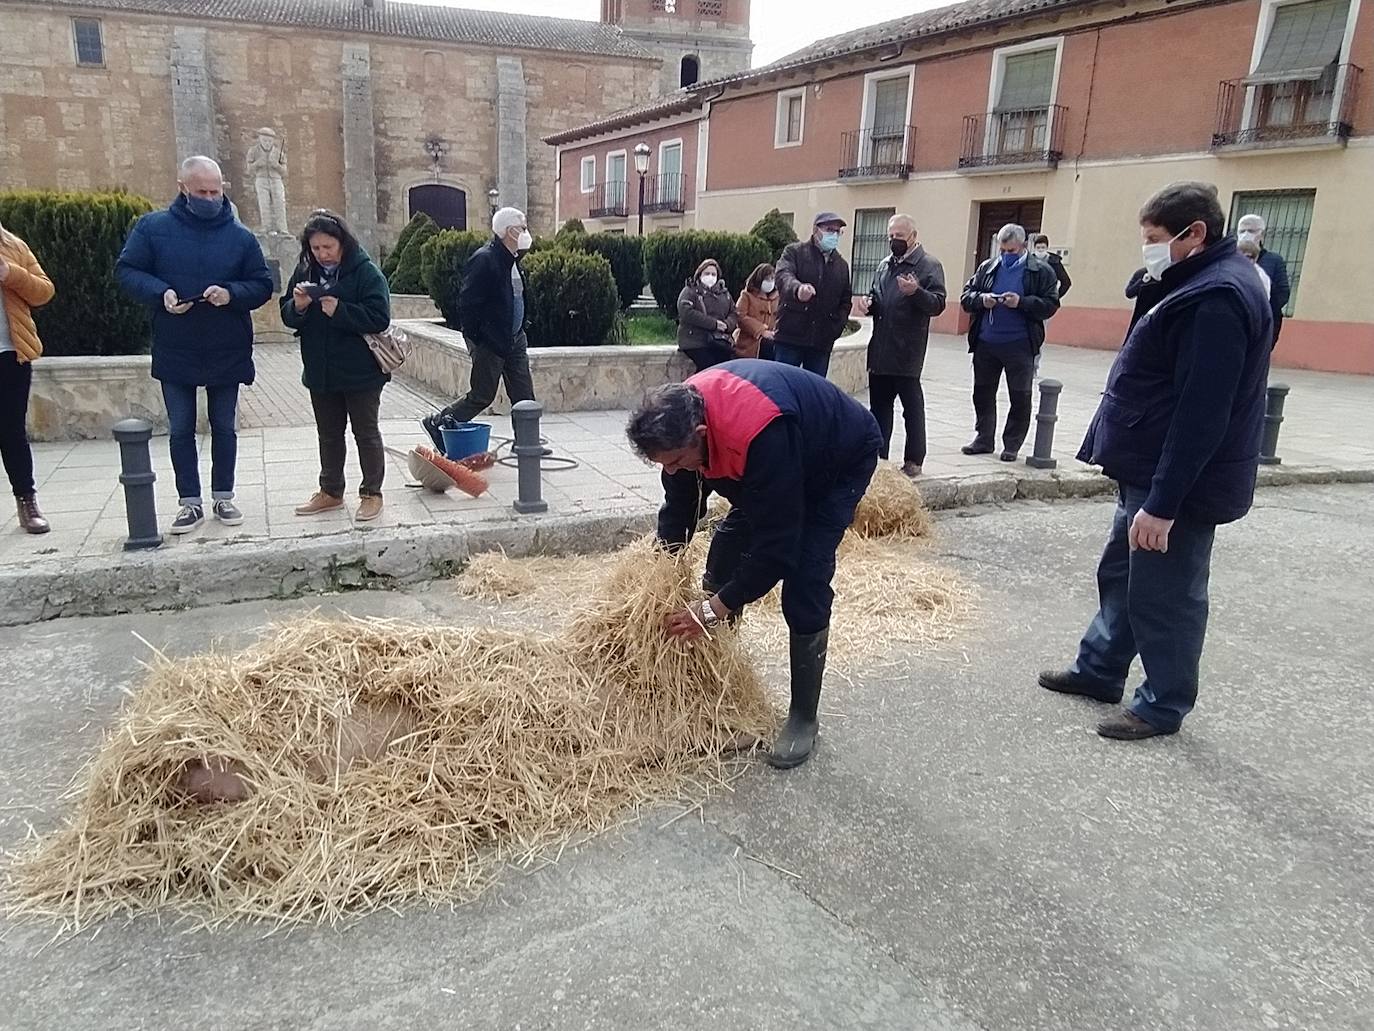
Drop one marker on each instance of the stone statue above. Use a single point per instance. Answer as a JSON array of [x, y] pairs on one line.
[[267, 167]]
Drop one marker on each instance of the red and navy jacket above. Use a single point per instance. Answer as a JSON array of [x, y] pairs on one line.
[[777, 440]]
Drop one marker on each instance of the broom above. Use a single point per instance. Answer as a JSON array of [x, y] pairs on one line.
[[467, 481]]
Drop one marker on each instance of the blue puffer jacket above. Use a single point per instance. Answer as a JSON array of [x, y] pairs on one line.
[[175, 250]]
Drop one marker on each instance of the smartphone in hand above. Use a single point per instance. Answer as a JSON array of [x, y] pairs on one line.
[[191, 300], [315, 290]]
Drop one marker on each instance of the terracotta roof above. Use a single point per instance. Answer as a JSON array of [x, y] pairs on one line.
[[660, 107], [411, 21]]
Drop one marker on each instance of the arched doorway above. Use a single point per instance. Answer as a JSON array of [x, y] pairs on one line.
[[447, 205], [691, 71]]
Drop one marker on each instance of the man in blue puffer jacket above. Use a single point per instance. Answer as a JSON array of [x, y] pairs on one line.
[[201, 273], [1179, 429]]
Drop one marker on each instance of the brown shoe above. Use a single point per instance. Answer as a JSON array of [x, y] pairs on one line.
[[319, 502], [1127, 726], [369, 508], [30, 518]]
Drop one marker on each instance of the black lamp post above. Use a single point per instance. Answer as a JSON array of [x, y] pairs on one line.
[[493, 196], [642, 167]]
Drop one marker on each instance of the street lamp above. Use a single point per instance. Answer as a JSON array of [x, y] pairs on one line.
[[493, 195], [641, 166]]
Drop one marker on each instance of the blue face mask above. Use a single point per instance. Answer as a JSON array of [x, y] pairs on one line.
[[829, 241], [1009, 260], [203, 207]]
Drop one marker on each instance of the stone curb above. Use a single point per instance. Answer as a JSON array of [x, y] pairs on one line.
[[236, 571]]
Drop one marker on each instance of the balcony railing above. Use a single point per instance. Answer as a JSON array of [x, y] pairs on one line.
[[1027, 137], [882, 152], [609, 200], [1287, 112], [666, 192]]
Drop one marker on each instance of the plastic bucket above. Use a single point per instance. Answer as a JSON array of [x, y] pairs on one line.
[[466, 439]]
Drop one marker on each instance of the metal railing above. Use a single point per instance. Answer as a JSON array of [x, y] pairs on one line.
[[1289, 111], [666, 192], [609, 200], [1020, 136], [881, 152]]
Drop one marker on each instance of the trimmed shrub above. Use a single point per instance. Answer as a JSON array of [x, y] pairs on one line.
[[77, 238], [775, 231], [572, 227], [624, 252], [409, 275], [572, 299], [671, 259], [442, 258], [393, 256]]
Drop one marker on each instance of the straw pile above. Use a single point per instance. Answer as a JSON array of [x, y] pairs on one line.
[[891, 507], [384, 763]]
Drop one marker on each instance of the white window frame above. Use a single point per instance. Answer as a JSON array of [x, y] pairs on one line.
[[780, 140], [663, 146], [867, 110], [586, 187], [1264, 24], [76, 49], [624, 182], [999, 71]]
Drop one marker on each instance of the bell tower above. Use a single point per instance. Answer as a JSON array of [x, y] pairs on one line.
[[696, 39]]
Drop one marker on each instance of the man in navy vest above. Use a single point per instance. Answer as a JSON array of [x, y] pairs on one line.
[[793, 455], [1178, 428]]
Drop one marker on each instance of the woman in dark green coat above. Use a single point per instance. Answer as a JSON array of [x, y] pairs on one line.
[[335, 296]]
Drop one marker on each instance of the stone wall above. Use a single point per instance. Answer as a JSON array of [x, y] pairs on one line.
[[81, 398], [575, 379], [412, 306]]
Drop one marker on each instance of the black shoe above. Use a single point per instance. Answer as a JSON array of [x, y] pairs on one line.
[[189, 518], [1008, 456], [227, 513], [797, 739], [1127, 726], [1076, 683], [431, 424], [977, 447]]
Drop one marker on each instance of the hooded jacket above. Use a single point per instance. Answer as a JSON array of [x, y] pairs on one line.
[[335, 357], [699, 310], [758, 313]]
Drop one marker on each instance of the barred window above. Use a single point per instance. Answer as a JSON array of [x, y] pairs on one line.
[[710, 8]]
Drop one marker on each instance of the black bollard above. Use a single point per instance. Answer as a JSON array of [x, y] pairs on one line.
[[136, 473], [1273, 419], [529, 454], [1044, 425]]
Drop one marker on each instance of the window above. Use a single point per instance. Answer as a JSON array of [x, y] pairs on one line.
[[710, 8], [1296, 75], [690, 71], [1287, 218], [1023, 93], [615, 179], [870, 246], [588, 174], [90, 46], [883, 140], [791, 117], [670, 182]]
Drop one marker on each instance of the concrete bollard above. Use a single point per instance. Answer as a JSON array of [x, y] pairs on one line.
[[136, 473], [1273, 419], [529, 455], [1044, 425]]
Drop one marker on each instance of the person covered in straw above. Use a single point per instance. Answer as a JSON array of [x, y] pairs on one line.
[[793, 454]]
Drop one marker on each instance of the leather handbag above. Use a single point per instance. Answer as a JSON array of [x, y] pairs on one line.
[[390, 348]]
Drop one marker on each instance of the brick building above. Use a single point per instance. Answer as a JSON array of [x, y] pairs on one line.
[[384, 108], [1062, 115]]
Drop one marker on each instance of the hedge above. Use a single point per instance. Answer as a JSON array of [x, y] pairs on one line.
[[672, 258], [394, 255], [442, 258], [572, 227], [77, 238], [572, 299], [624, 252], [409, 275], [775, 231]]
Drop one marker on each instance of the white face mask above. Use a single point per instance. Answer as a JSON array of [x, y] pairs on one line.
[[1250, 234], [767, 286], [708, 280], [1156, 256], [525, 242], [1042, 251]]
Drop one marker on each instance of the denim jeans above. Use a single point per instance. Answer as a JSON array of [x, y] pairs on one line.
[[1152, 604], [812, 359], [222, 404]]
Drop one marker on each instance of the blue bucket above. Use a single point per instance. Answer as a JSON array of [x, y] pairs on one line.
[[466, 439]]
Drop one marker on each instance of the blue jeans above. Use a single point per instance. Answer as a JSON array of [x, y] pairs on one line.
[[812, 359], [1152, 604], [222, 404]]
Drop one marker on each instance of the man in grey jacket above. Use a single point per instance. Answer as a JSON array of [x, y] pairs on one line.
[[908, 291]]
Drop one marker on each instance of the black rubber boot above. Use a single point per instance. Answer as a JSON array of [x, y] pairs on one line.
[[797, 738]]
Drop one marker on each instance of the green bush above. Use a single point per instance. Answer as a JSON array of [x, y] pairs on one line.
[[572, 299], [775, 231], [393, 256], [624, 252], [442, 258], [572, 227], [77, 238], [409, 275], [672, 258]]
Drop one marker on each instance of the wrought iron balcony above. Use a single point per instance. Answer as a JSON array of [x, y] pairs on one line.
[[666, 192], [609, 200], [1297, 112], [882, 152], [1027, 137]]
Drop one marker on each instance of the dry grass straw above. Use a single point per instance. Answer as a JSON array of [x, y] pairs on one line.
[[892, 507], [519, 742]]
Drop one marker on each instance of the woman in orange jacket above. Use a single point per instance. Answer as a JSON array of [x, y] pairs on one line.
[[23, 286], [757, 310]]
